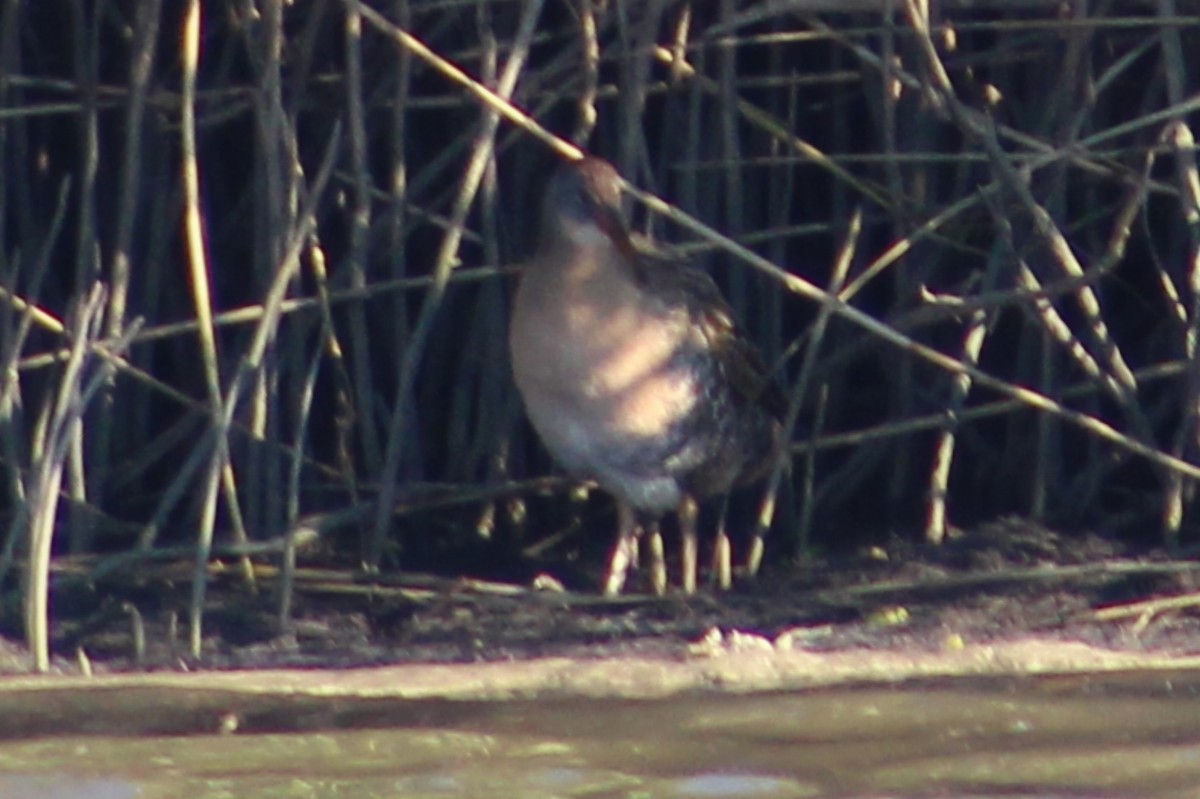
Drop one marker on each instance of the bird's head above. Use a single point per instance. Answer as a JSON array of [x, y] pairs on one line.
[[583, 205]]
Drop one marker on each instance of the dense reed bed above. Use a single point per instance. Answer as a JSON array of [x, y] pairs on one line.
[[256, 258]]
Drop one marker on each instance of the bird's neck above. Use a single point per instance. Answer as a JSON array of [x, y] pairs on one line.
[[572, 263]]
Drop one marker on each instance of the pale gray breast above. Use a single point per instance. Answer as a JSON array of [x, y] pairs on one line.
[[597, 362]]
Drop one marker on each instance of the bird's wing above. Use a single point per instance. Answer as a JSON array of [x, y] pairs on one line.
[[678, 283]]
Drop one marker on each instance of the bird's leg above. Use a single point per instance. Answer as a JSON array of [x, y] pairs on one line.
[[658, 562], [722, 557], [624, 551], [688, 513], [754, 556]]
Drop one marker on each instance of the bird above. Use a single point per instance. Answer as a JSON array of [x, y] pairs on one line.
[[633, 371]]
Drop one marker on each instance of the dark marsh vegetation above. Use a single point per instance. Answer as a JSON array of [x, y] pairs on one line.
[[256, 258]]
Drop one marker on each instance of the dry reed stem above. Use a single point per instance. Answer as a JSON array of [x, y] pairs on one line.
[[1185, 439], [399, 218], [345, 472], [10, 389], [960, 387], [360, 362], [768, 124], [590, 45], [489, 98], [277, 189], [141, 66], [252, 362], [934, 421], [81, 476], [1041, 155], [943, 97], [249, 367], [443, 264], [124, 368], [800, 388], [288, 571], [249, 314], [42, 492], [198, 279], [1179, 137], [39, 513], [1117, 375], [39, 316], [740, 115]]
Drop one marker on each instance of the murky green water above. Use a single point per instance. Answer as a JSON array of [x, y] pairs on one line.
[[1110, 736]]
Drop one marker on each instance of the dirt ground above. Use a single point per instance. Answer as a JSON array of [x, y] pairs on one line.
[[999, 586]]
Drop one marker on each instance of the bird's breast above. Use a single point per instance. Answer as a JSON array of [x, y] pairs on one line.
[[600, 365]]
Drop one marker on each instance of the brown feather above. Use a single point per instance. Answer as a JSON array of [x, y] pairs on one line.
[[668, 276]]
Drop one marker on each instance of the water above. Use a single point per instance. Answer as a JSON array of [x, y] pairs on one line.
[[1131, 735]]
